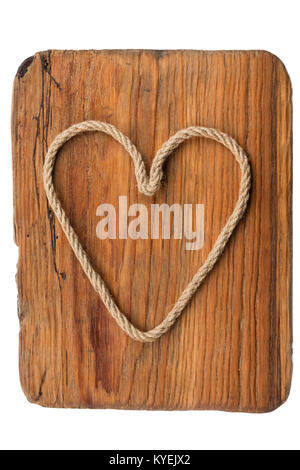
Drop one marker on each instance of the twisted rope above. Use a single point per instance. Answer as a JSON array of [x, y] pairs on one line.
[[147, 185]]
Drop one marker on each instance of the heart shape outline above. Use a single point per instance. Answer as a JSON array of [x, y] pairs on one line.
[[147, 185]]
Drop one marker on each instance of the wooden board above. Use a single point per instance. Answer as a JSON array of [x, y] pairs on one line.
[[231, 350]]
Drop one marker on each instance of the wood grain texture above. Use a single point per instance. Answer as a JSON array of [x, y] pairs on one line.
[[231, 350]]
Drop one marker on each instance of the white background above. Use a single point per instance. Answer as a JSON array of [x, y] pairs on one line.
[[31, 26]]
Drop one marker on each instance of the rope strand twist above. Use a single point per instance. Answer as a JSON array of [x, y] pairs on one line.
[[147, 185]]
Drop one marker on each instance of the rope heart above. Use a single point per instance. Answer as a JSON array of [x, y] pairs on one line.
[[147, 185]]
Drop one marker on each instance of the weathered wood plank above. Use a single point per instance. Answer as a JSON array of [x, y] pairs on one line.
[[231, 350]]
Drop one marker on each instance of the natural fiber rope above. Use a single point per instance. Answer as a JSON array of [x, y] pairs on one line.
[[147, 185]]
